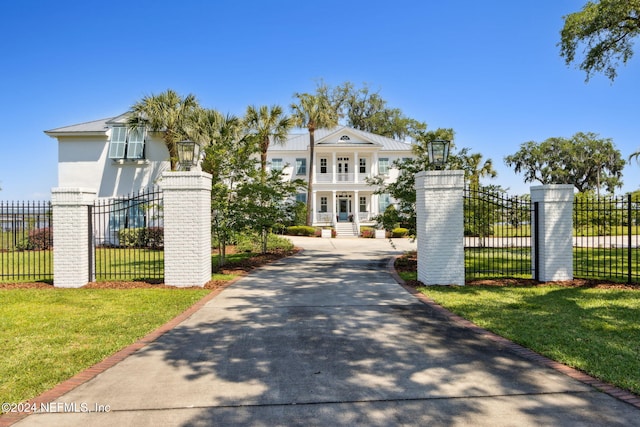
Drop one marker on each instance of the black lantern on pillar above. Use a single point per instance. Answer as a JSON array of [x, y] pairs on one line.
[[438, 152], [188, 154]]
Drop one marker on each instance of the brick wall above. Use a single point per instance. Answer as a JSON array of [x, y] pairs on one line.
[[71, 248], [555, 234], [187, 228], [440, 227]]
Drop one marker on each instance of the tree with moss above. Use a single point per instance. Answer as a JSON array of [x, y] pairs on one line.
[[584, 160], [603, 32]]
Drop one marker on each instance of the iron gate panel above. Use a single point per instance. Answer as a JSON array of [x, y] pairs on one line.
[[497, 230], [128, 237], [26, 241], [607, 237]]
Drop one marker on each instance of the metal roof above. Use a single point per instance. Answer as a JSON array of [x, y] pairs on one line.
[[294, 142]]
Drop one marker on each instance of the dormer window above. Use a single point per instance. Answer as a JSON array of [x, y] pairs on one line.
[[345, 138], [126, 143]]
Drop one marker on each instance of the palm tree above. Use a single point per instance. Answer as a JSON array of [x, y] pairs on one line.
[[168, 113], [636, 155], [313, 112], [476, 169], [267, 125]]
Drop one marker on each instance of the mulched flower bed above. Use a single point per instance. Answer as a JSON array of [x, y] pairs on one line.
[[409, 263]]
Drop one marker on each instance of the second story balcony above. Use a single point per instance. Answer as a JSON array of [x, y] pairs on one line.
[[341, 178]]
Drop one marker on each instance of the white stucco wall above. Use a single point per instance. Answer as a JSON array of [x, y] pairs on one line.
[[83, 162]]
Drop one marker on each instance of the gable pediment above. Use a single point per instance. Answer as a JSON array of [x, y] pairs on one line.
[[345, 136]]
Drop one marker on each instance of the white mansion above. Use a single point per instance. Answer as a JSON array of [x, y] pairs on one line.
[[107, 156]]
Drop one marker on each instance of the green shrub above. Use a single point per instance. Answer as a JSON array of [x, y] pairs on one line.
[[399, 232], [250, 242], [152, 237], [131, 237], [301, 230], [38, 239]]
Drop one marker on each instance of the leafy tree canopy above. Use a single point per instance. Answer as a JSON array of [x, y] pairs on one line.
[[366, 110], [166, 112], [605, 29], [584, 160]]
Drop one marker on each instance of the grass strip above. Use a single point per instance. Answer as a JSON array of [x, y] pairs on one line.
[[594, 330], [49, 335]]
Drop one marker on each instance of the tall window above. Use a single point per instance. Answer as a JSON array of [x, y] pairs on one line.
[[383, 166], [384, 200], [323, 204], [126, 143], [301, 166], [363, 165], [323, 165], [363, 204], [276, 164], [301, 197]]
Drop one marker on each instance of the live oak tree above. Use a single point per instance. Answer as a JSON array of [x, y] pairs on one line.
[[605, 29], [363, 109], [584, 160]]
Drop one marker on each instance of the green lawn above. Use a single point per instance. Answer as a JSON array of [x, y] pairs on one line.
[[120, 264], [608, 264], [594, 330], [49, 335], [497, 262]]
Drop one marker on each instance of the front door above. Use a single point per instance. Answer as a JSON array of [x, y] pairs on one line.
[[343, 210]]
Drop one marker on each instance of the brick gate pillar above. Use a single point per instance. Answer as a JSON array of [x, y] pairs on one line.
[[554, 234], [440, 227], [187, 228], [72, 248]]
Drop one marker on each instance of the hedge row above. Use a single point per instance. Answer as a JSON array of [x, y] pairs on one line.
[[151, 237]]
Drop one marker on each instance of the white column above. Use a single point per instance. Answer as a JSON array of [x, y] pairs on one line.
[[334, 211], [333, 167], [440, 227], [356, 208], [313, 206], [356, 167], [72, 248], [374, 165], [187, 228], [555, 232]]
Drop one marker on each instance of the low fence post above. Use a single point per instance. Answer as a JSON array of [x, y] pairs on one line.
[[187, 228], [440, 227], [553, 259], [71, 249]]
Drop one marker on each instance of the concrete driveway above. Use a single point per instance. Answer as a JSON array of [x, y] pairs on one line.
[[327, 337]]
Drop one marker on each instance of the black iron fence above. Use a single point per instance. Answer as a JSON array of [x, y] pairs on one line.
[[607, 237], [26, 242], [128, 237], [497, 230]]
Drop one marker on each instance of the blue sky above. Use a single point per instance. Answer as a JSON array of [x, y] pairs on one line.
[[490, 70]]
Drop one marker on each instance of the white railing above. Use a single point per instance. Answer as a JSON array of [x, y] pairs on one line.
[[363, 216], [324, 217], [341, 177]]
